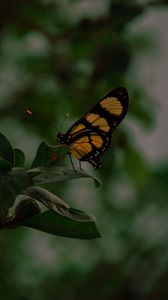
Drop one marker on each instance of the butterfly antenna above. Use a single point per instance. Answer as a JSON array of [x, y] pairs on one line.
[[48, 123], [66, 116]]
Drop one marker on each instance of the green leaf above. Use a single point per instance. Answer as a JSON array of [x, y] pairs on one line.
[[6, 151], [11, 186], [23, 208], [56, 174], [54, 223], [18, 179], [49, 155], [4, 165], [54, 203], [19, 158], [26, 207], [7, 198], [61, 220]]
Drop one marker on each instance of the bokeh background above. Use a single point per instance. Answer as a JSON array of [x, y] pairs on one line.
[[63, 56]]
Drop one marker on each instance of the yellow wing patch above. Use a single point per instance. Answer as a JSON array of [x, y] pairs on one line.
[[102, 124], [91, 118], [81, 147], [112, 105], [97, 121], [97, 141], [77, 128]]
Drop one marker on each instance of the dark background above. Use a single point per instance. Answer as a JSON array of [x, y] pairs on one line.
[[63, 56]]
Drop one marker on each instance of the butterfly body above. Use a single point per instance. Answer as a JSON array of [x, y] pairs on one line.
[[90, 136]]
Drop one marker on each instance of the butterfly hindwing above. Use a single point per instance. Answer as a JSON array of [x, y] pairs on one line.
[[90, 147], [91, 135]]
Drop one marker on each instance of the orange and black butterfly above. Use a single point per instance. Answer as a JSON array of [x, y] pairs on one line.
[[91, 135]]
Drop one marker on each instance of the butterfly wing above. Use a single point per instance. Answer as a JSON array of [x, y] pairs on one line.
[[91, 135], [113, 107], [89, 147]]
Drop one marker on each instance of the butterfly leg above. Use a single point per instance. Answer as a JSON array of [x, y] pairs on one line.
[[70, 157], [80, 166]]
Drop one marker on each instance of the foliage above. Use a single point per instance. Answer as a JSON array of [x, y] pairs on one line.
[[58, 57], [20, 194]]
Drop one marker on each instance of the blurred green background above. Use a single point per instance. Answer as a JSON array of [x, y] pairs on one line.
[[63, 56]]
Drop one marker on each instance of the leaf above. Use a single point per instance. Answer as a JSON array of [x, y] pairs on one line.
[[61, 220], [7, 198], [47, 198], [6, 151], [57, 174], [23, 208], [4, 165], [48, 155], [54, 203], [54, 223], [10, 186], [26, 207], [19, 179], [19, 158]]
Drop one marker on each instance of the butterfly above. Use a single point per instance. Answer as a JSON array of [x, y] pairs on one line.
[[91, 135]]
